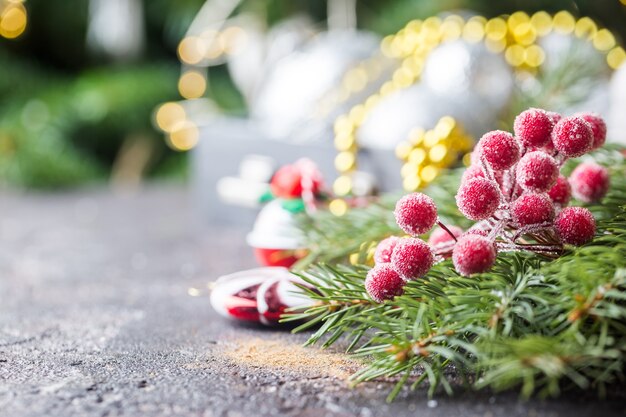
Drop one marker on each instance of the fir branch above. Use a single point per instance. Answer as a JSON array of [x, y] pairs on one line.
[[531, 322]]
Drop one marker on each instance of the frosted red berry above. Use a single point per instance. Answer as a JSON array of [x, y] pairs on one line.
[[554, 116], [575, 225], [561, 191], [478, 198], [412, 258], [499, 150], [572, 136], [473, 254], [598, 128], [439, 235], [473, 171], [533, 128], [590, 182], [537, 171], [384, 249], [532, 208], [416, 213], [383, 283]]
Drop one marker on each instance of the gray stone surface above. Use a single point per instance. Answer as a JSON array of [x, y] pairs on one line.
[[96, 320]]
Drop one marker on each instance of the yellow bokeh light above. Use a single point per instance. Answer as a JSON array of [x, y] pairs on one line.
[[417, 156], [474, 30], [168, 115], [184, 136], [191, 50], [515, 55], [13, 21], [585, 28], [516, 19], [604, 40], [192, 84], [342, 185], [534, 56], [524, 33], [616, 57], [345, 161], [338, 207], [233, 38], [345, 142], [429, 173], [541, 22], [403, 150], [411, 183], [356, 79], [357, 114], [564, 22], [495, 29], [343, 125]]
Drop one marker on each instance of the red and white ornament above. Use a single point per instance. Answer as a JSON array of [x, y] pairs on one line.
[[275, 237], [259, 295]]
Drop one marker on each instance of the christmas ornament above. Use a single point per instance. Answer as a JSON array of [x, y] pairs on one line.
[[275, 237], [259, 295], [439, 70]]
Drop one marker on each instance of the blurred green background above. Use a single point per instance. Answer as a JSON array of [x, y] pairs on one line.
[[70, 115]]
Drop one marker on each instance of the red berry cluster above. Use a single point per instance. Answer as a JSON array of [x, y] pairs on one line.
[[515, 193]]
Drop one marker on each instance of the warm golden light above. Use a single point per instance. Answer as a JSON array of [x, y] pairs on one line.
[[192, 84], [338, 207], [168, 115], [191, 50], [184, 136], [13, 21]]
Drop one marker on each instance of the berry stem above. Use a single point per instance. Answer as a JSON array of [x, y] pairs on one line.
[[444, 227]]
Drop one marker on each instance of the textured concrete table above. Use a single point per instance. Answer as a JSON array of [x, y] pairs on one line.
[[96, 319]]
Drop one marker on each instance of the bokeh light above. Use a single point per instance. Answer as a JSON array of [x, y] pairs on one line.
[[13, 20]]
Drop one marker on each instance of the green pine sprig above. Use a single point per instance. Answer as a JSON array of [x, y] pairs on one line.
[[530, 322]]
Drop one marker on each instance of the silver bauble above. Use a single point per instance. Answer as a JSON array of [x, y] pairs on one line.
[[289, 95], [461, 80]]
